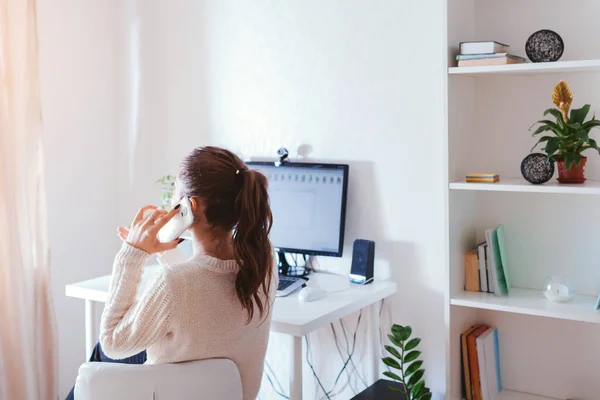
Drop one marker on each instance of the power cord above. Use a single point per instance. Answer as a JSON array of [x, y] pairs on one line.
[[268, 373], [362, 379], [337, 345], [313, 368]]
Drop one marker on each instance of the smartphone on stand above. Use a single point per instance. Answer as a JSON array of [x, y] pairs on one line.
[[179, 223]]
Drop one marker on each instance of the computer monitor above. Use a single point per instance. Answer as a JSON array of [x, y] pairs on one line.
[[308, 202]]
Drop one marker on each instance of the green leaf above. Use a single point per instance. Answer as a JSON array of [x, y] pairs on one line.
[[426, 396], [413, 355], [392, 375], [541, 140], [555, 112], [594, 123], [390, 362], [578, 115], [542, 128], [395, 389], [416, 377], [393, 352], [395, 341], [412, 344], [551, 146], [413, 368], [569, 160], [418, 389], [404, 333], [397, 329]]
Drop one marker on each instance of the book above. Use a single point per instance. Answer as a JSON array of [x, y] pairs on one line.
[[481, 62], [471, 272], [497, 271], [482, 178], [492, 362], [465, 362], [474, 361], [482, 47], [479, 56], [487, 269], [503, 255], [483, 283], [481, 360]]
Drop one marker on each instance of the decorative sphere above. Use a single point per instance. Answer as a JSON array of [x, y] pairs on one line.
[[544, 46], [537, 168], [557, 291]]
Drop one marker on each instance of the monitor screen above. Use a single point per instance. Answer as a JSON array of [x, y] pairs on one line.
[[308, 202]]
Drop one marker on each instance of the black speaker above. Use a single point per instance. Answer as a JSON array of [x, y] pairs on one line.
[[363, 255]]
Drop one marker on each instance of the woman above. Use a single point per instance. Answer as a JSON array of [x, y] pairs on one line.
[[218, 303]]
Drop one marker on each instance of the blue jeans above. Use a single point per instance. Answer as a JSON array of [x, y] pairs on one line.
[[99, 356]]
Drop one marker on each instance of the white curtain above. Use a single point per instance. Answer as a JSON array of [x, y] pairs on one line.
[[27, 331]]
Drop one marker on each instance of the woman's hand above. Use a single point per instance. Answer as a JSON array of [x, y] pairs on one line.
[[144, 230]]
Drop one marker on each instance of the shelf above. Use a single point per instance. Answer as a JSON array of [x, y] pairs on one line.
[[520, 185], [531, 302], [529, 68], [510, 395]]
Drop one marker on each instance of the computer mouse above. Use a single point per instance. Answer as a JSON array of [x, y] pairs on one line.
[[311, 294]]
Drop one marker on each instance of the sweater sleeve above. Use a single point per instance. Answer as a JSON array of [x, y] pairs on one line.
[[129, 324]]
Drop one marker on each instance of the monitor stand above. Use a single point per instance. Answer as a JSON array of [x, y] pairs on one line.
[[287, 269]]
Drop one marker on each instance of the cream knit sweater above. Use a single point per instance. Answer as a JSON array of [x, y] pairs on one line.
[[188, 312]]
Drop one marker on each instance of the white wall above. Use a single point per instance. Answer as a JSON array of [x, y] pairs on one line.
[[359, 82]]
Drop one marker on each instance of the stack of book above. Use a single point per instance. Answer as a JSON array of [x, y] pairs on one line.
[[476, 54], [482, 178], [481, 363], [486, 267]]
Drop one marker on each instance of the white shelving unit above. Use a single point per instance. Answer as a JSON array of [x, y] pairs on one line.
[[521, 185], [530, 68], [531, 302], [552, 228]]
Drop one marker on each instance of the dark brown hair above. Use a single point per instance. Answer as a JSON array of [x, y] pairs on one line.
[[235, 199]]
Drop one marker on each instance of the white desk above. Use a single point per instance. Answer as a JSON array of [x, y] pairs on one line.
[[290, 316]]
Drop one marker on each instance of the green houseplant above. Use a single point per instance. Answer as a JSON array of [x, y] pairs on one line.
[[167, 187], [406, 361], [568, 136]]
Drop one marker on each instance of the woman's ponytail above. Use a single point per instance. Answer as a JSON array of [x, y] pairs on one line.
[[236, 200], [251, 245]]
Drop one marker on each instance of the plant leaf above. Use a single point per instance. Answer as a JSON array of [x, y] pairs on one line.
[[395, 389], [416, 377], [390, 362], [551, 146], [395, 341], [540, 129], [555, 113], [412, 344], [418, 389], [578, 115], [413, 355], [392, 375], [393, 352], [426, 396], [397, 329], [405, 333], [413, 368]]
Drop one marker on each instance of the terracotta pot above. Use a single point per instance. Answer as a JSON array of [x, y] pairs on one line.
[[574, 175]]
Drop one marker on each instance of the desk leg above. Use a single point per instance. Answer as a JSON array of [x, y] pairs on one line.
[[89, 328], [296, 369], [373, 318]]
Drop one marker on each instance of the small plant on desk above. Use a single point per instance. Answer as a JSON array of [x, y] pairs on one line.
[[406, 361], [168, 187]]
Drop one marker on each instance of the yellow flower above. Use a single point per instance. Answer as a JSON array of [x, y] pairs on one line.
[[563, 97]]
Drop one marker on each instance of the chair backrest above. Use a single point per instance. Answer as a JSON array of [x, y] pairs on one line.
[[204, 379]]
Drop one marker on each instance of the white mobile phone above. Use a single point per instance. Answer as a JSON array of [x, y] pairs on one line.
[[179, 223]]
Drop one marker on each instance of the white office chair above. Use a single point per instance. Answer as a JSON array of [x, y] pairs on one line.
[[204, 379]]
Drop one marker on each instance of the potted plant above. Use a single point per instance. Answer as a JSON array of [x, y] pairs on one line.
[[568, 136], [167, 187], [406, 361]]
